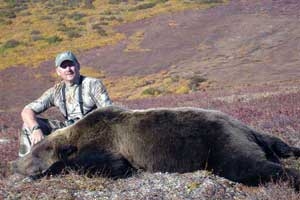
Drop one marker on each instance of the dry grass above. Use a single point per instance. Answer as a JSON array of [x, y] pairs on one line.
[[152, 85]]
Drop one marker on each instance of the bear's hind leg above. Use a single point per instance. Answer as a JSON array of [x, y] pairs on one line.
[[279, 147], [265, 171]]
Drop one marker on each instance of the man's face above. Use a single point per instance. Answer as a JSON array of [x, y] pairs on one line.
[[68, 71]]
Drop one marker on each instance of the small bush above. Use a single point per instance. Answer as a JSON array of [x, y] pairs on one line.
[[19, 7], [89, 4], [107, 12], [99, 29], [204, 1], [7, 13], [195, 81], [35, 36], [143, 6], [53, 39], [152, 91], [77, 16], [35, 32], [45, 17], [5, 22], [62, 27], [11, 44], [26, 13], [11, 3], [162, 1], [73, 33], [116, 1], [108, 18], [55, 10], [102, 23], [81, 23]]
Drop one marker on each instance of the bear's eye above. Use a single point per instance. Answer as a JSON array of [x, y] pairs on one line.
[[48, 148], [66, 150]]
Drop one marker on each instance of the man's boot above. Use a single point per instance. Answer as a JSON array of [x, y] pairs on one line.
[[25, 143]]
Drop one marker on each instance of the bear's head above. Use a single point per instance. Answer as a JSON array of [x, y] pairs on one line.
[[47, 157]]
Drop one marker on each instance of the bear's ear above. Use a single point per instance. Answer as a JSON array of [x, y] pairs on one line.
[[65, 151]]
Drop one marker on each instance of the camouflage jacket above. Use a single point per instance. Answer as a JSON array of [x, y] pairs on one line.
[[94, 95]]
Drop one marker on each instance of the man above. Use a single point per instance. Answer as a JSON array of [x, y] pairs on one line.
[[75, 96]]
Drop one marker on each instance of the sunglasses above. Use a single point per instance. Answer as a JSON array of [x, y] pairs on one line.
[[66, 64]]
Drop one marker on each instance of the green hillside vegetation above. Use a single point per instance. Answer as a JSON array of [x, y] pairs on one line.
[[33, 31]]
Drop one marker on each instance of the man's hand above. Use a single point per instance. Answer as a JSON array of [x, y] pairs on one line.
[[36, 136]]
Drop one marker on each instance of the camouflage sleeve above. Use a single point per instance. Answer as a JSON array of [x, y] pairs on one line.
[[43, 103], [99, 94]]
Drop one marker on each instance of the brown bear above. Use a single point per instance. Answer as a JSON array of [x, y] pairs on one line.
[[115, 142]]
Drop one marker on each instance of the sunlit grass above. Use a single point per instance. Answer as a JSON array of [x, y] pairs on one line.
[[73, 27], [153, 85]]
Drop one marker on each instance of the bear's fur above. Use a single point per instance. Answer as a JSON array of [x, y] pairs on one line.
[[116, 142]]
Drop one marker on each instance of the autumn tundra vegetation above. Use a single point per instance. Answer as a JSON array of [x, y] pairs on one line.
[[239, 57]]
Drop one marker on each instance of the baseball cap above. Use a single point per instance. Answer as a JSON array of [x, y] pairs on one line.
[[67, 55]]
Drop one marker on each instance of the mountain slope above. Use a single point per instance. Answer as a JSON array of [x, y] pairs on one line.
[[238, 44]]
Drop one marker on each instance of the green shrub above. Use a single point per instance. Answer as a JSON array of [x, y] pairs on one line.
[[45, 17], [89, 4], [204, 1], [11, 44], [143, 6], [11, 3], [104, 20], [73, 33], [81, 23], [5, 21], [162, 1], [106, 12], [103, 23], [152, 91], [195, 81], [26, 13], [53, 39], [116, 1], [8, 45], [108, 18], [77, 16], [7, 13], [99, 29], [35, 32], [35, 35], [56, 10], [62, 27], [19, 7]]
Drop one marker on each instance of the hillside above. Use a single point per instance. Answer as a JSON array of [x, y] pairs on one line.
[[182, 52], [238, 56]]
